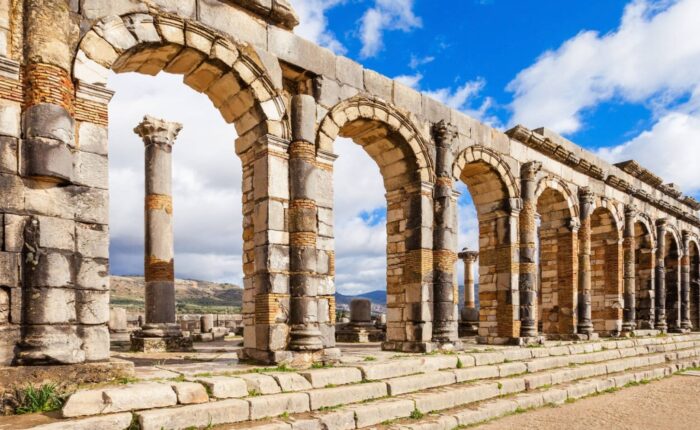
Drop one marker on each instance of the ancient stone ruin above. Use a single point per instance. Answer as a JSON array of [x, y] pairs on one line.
[[571, 247]]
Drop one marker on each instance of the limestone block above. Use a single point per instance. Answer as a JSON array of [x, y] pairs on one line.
[[92, 138], [440, 362], [92, 307], [106, 422], [581, 389], [484, 358], [291, 382], [190, 393], [330, 397], [92, 275], [233, 22], [91, 205], [261, 384], [433, 110], [142, 26], [92, 170], [96, 9], [98, 50], [53, 344], [475, 373], [320, 378], [10, 112], [393, 369], [517, 354], [326, 91], [12, 197], [50, 201], [413, 383], [407, 98], [95, 341], [53, 270], [277, 404], [439, 400], [378, 412], [349, 72], [134, 397], [10, 269], [117, 321], [272, 67], [92, 240], [200, 416], [224, 387], [512, 385], [339, 419], [296, 50], [378, 85], [8, 155], [46, 158], [182, 8], [56, 233], [509, 369], [89, 71], [113, 30]]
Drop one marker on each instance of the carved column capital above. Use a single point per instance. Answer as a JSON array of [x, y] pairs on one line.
[[631, 211], [468, 256], [574, 224], [661, 223], [444, 133], [528, 171], [586, 195], [157, 131]]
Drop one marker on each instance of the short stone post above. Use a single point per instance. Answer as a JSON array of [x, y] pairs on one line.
[[661, 323], [445, 325], [305, 334], [528, 250], [118, 328], [160, 331], [585, 323], [629, 312], [206, 323], [686, 324], [469, 324], [360, 329]]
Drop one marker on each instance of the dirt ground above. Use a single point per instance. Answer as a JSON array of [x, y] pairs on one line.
[[668, 404]]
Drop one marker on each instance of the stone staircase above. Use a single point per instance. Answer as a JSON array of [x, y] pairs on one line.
[[415, 392]]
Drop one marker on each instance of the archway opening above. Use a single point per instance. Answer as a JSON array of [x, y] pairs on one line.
[[606, 276], [694, 254], [644, 276], [672, 256], [490, 197], [557, 262]]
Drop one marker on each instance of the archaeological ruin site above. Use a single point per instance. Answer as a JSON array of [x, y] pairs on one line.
[[587, 274]]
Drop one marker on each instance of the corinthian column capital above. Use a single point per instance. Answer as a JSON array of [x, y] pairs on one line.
[[157, 131]]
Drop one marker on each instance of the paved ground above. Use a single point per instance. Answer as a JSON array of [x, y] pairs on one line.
[[670, 404]]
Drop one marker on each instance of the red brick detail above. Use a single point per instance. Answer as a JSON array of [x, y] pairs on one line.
[[91, 111], [45, 83], [11, 90]]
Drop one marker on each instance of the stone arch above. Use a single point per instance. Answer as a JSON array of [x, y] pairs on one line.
[[672, 254], [558, 258], [644, 267], [648, 223], [396, 145], [495, 194], [694, 261], [606, 272], [231, 74], [553, 183]]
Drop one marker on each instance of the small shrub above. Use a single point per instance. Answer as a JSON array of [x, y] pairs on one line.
[[370, 358], [416, 414], [42, 399], [459, 364]]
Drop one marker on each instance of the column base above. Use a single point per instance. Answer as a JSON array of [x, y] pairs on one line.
[[139, 343], [295, 359], [360, 335], [678, 330], [421, 347], [646, 333], [120, 341], [468, 328], [519, 341]]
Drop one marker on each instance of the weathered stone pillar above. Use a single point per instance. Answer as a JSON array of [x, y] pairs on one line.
[[585, 324], [160, 330], [469, 323], [686, 324], [629, 313], [528, 250], [303, 212], [661, 275], [445, 326]]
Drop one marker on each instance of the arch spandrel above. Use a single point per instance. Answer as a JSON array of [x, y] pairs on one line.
[[231, 74], [558, 185], [479, 153]]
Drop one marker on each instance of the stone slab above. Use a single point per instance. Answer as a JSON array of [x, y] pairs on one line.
[[277, 404], [198, 416], [321, 378], [106, 422], [330, 397]]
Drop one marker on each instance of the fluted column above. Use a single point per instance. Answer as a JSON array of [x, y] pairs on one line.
[[528, 250], [159, 264], [629, 313], [661, 276], [445, 323], [686, 323], [585, 325], [305, 334], [469, 324]]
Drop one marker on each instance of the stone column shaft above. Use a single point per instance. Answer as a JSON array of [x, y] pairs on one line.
[[585, 324], [469, 323], [528, 250], [305, 332], [661, 276], [686, 323], [629, 314], [159, 137], [445, 323]]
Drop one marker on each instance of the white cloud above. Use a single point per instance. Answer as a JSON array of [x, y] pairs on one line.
[[385, 15], [412, 81], [313, 24], [420, 61], [653, 57]]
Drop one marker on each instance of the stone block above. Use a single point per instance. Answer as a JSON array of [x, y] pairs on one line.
[[440, 362], [407, 98], [53, 270], [92, 307], [12, 197], [510, 369], [484, 358], [91, 205], [453, 397], [339, 419], [91, 170], [296, 50], [512, 385], [413, 383], [138, 396], [92, 240], [56, 344], [475, 373], [393, 369], [261, 384], [190, 393], [106, 422], [199, 416], [378, 85], [10, 269], [52, 201], [46, 158], [330, 397], [50, 306], [320, 378], [9, 155], [92, 275], [349, 72], [88, 71], [96, 9], [233, 22], [224, 387], [92, 138], [13, 240], [49, 121], [278, 404], [10, 122], [95, 342], [378, 412]]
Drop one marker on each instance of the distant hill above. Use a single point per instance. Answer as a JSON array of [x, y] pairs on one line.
[[377, 297], [191, 296]]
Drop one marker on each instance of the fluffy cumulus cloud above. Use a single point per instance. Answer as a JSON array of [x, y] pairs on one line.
[[384, 16], [653, 57], [313, 24]]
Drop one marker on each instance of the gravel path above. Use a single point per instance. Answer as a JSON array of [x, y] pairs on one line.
[[668, 404]]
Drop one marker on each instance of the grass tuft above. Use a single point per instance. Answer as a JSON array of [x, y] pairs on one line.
[[42, 399], [416, 414]]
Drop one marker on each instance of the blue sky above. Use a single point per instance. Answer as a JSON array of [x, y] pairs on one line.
[[617, 77]]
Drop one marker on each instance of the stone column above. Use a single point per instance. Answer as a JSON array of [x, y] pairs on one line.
[[585, 325], [528, 250], [305, 332], [629, 314], [661, 275], [445, 325], [160, 331], [686, 324], [469, 324]]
